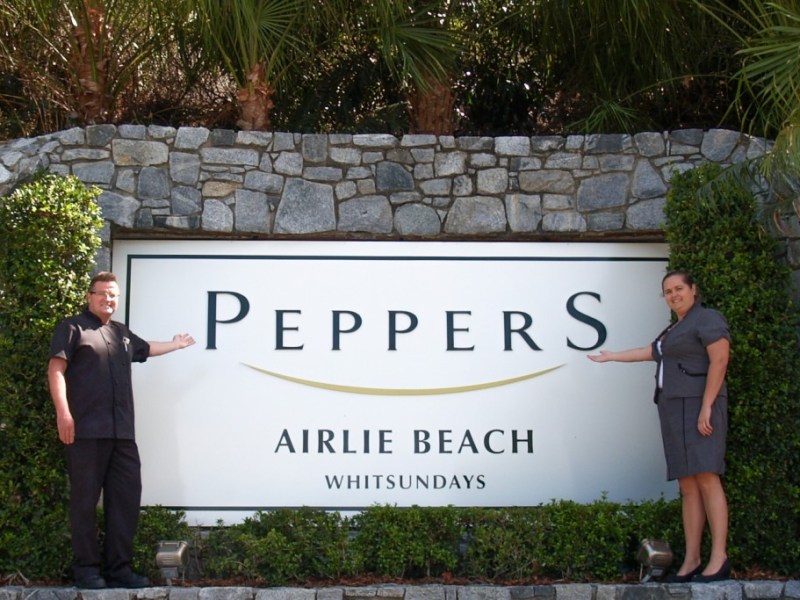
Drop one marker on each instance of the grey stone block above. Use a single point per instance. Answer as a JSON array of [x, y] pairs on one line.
[[139, 153], [688, 137], [222, 137], [603, 191], [647, 214], [476, 214], [524, 212], [492, 181], [328, 174], [227, 593], [217, 216], [153, 183], [762, 590], [603, 143], [371, 214], [305, 207], [791, 589], [133, 132], [269, 183], [650, 144], [647, 182], [118, 209], [417, 219], [718, 144], [230, 156], [93, 172], [564, 222], [553, 182], [184, 167], [516, 145], [100, 135], [72, 137], [191, 138], [262, 139], [252, 211], [391, 176], [450, 163], [288, 163], [285, 593], [375, 140], [315, 147]]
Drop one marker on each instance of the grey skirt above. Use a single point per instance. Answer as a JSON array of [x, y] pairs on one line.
[[687, 451]]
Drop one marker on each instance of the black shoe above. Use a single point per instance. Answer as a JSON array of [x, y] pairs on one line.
[[721, 575], [675, 578], [90, 582], [129, 581]]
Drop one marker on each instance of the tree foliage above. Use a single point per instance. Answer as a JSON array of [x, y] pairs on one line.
[[48, 239], [715, 235], [484, 67]]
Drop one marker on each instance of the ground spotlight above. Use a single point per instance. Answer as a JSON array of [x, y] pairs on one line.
[[171, 558], [655, 557]]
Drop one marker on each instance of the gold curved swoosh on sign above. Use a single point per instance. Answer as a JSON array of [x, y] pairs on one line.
[[352, 389]]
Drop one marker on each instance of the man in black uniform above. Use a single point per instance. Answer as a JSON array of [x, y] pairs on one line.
[[89, 373]]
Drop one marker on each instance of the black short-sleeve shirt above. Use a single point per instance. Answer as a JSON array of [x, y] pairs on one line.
[[98, 375]]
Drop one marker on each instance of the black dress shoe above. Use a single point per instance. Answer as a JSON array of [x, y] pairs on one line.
[[721, 575], [130, 581], [90, 582], [675, 578]]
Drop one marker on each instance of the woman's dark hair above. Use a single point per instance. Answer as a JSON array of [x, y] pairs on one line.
[[687, 277]]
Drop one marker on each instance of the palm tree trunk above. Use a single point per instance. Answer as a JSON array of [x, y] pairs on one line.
[[431, 108], [255, 101], [90, 62]]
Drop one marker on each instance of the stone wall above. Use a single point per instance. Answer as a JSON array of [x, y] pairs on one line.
[[725, 590], [194, 182]]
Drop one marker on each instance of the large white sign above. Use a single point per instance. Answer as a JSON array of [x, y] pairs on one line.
[[344, 374]]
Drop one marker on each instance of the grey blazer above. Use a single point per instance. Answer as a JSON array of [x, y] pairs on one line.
[[681, 356]]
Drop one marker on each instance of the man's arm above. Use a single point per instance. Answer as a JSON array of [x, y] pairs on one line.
[[181, 340], [56, 368]]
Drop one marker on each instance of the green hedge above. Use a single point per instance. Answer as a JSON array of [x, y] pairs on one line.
[[47, 244], [562, 540], [48, 239], [713, 233]]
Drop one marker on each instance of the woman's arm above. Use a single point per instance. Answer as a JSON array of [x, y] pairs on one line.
[[718, 355], [631, 355]]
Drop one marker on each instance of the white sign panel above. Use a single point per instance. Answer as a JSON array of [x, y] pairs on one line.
[[344, 374]]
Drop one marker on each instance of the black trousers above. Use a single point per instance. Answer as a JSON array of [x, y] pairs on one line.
[[112, 466]]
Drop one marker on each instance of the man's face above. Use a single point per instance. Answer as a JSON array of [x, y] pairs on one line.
[[103, 299]]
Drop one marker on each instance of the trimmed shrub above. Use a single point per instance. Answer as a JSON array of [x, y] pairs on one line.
[[713, 233], [48, 241]]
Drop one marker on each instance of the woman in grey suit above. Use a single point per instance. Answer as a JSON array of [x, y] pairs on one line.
[[692, 359]]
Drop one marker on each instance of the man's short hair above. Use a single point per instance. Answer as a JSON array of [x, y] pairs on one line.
[[104, 276]]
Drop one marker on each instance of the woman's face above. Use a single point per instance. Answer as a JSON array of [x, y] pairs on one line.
[[679, 295]]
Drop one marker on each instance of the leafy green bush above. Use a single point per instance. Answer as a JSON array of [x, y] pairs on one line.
[[504, 544], [713, 232], [279, 546], [48, 238], [561, 540], [406, 542]]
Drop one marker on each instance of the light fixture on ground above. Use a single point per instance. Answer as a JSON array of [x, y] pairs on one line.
[[655, 557], [171, 559]]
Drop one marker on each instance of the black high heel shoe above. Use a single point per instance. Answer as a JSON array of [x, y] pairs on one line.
[[721, 575], [675, 578]]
